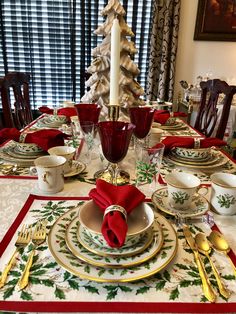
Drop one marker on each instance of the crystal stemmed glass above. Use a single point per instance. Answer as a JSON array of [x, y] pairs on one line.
[[88, 113], [115, 138], [142, 118]]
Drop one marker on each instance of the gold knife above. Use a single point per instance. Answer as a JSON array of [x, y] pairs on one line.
[[206, 285]]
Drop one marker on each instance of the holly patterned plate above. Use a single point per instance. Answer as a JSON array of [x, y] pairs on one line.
[[63, 256], [124, 251], [217, 160], [177, 126], [199, 205], [108, 261]]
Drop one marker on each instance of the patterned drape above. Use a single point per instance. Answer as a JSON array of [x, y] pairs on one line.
[[164, 39]]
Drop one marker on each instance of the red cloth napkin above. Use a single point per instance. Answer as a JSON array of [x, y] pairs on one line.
[[43, 138], [188, 142], [161, 116], [68, 112], [114, 226]]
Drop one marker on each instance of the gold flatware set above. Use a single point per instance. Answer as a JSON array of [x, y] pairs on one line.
[[22, 240], [26, 236], [7, 169], [202, 244]]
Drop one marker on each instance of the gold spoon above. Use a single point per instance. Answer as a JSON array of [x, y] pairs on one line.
[[219, 243], [204, 248]]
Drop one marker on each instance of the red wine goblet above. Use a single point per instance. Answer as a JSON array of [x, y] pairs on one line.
[[142, 118], [88, 113], [115, 138]]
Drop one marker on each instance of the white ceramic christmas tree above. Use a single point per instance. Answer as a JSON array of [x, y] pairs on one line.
[[99, 81]]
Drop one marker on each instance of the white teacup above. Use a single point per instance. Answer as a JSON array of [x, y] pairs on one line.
[[50, 173], [65, 151], [181, 188], [223, 193]]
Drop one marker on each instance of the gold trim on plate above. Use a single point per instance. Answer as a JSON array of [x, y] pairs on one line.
[[78, 253], [146, 272]]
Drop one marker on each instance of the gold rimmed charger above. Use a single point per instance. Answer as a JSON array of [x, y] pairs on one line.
[[19, 161], [173, 127], [217, 160], [63, 256], [74, 243], [11, 151]]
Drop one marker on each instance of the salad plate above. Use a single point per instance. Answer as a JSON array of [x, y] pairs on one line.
[[75, 245], [199, 205], [64, 257], [123, 251]]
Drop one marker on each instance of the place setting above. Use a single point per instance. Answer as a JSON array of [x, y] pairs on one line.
[[22, 154], [94, 241], [193, 153]]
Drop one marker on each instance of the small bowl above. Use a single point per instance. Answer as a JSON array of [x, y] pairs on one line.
[[28, 148], [192, 153], [139, 221]]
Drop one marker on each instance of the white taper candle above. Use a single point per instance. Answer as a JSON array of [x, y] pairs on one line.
[[115, 63]]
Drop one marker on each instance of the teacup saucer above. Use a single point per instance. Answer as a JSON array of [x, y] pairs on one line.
[[199, 205], [77, 167]]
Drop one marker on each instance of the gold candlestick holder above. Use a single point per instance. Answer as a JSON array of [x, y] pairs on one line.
[[113, 112]]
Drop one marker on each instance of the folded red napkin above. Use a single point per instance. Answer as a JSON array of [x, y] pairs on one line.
[[161, 116], [188, 142], [114, 226], [43, 138], [68, 112]]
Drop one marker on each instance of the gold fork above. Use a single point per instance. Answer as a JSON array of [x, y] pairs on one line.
[[38, 237], [22, 240]]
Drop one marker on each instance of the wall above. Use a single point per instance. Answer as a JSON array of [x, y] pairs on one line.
[[199, 57]]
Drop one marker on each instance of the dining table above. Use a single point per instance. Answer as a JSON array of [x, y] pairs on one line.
[[166, 280]]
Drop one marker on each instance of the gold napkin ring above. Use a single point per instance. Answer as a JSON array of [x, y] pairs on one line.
[[197, 143], [117, 208]]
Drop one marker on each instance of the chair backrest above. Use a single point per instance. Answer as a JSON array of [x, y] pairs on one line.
[[16, 113], [214, 92]]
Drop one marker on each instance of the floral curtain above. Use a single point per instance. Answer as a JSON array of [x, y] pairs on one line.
[[164, 39]]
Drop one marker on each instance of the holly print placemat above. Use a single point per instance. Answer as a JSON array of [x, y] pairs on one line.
[[55, 289]]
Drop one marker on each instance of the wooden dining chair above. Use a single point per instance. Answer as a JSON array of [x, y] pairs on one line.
[[214, 92], [15, 100]]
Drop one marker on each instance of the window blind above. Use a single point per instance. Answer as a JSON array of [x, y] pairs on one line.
[[52, 40]]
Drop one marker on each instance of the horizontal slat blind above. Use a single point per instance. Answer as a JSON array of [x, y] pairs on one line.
[[53, 40]]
